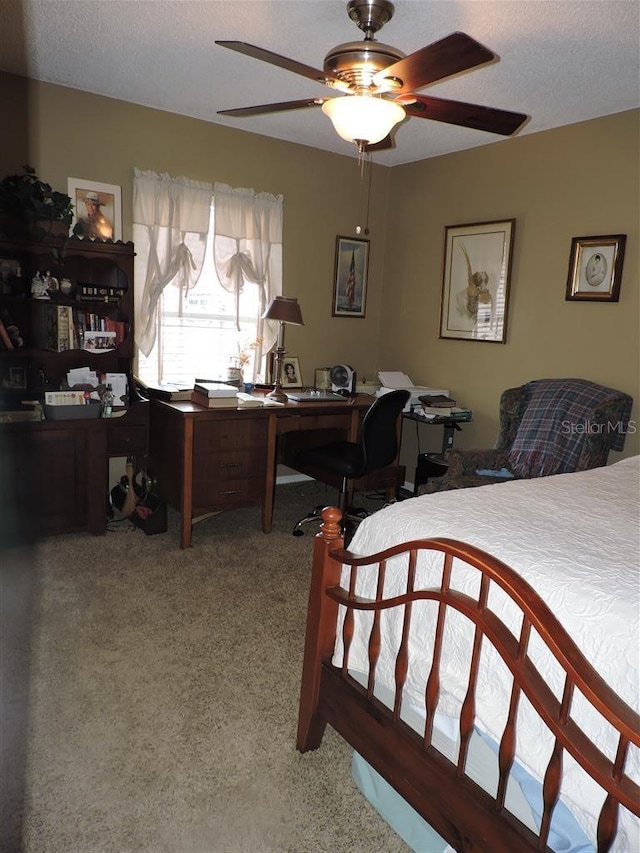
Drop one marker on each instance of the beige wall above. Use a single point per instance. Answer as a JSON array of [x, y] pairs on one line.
[[573, 181], [77, 134]]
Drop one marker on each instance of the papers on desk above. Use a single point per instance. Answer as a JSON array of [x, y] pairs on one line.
[[455, 413], [394, 379], [82, 376], [246, 401], [85, 378]]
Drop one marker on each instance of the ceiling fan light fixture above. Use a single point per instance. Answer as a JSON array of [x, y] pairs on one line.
[[362, 118]]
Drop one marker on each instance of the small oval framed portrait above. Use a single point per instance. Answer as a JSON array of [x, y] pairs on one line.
[[595, 268]]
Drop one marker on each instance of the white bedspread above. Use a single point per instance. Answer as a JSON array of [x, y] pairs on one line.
[[576, 539]]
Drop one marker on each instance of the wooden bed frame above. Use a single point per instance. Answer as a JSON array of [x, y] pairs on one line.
[[458, 809]]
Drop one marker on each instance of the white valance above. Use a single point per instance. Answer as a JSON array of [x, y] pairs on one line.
[[171, 222]]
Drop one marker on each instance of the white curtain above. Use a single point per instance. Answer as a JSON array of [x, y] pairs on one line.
[[170, 226], [247, 246]]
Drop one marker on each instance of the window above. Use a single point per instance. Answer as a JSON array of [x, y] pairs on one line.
[[199, 338]]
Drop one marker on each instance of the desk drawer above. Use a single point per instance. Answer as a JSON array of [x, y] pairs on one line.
[[229, 465], [229, 475], [221, 435], [226, 493], [300, 423]]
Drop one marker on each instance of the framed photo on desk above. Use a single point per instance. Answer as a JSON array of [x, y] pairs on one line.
[[291, 377]]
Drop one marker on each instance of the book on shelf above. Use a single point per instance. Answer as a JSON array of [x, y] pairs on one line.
[[437, 411], [59, 330], [437, 401], [215, 389], [117, 326], [228, 402]]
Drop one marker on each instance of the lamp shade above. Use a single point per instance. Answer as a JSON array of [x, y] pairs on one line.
[[363, 118], [285, 309]]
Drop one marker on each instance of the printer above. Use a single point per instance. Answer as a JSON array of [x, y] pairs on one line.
[[394, 380]]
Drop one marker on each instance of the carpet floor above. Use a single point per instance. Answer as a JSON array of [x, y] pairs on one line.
[[163, 696]]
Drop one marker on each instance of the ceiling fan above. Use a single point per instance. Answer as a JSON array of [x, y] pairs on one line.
[[378, 82]]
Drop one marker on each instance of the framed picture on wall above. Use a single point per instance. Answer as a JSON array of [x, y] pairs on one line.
[[97, 209], [350, 277], [475, 281], [595, 268], [291, 375]]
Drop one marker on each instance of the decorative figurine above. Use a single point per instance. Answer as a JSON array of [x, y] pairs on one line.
[[66, 286], [38, 287], [51, 283]]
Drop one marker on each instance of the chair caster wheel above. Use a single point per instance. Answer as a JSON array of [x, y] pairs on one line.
[[298, 533]]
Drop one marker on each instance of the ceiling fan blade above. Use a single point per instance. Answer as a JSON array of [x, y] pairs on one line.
[[465, 115], [281, 61], [451, 55], [262, 109]]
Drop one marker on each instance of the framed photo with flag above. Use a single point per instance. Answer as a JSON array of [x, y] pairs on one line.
[[350, 277]]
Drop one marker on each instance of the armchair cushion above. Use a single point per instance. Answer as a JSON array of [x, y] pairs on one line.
[[463, 463]]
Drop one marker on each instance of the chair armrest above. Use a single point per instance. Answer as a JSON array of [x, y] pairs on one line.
[[465, 462]]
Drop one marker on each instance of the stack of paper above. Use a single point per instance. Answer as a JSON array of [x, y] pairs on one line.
[[246, 401], [392, 380]]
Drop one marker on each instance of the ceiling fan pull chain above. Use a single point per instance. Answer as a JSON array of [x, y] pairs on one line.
[[364, 200], [370, 165]]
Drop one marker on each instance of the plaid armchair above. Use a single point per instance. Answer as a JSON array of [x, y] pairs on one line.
[[608, 416]]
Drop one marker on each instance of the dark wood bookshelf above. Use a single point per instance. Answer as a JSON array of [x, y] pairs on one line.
[[55, 472]]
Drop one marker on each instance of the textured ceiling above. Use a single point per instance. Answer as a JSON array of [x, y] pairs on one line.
[[561, 61]]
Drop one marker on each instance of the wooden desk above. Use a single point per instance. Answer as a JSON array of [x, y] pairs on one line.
[[209, 460]]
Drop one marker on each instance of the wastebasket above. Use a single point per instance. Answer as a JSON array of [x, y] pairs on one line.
[[429, 465]]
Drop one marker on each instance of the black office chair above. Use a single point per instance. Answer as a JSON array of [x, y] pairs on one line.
[[377, 447]]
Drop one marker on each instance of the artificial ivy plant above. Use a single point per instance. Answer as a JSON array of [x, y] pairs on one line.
[[30, 206]]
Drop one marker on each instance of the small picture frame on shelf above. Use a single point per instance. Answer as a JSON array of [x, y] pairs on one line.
[[291, 375], [97, 209], [99, 341], [17, 378], [595, 268], [10, 277]]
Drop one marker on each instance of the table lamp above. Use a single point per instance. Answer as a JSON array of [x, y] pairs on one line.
[[284, 309]]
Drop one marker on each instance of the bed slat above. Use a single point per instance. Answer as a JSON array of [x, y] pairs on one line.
[[374, 637], [432, 692], [468, 710], [402, 658], [507, 752]]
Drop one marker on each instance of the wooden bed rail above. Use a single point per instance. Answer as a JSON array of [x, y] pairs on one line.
[[430, 782]]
